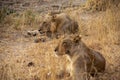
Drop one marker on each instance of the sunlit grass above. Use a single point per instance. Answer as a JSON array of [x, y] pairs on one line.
[[100, 31]]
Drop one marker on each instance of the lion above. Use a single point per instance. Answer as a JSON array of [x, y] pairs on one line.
[[84, 62], [55, 25], [58, 24]]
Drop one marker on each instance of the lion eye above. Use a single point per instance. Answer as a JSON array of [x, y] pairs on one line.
[[67, 52], [44, 22]]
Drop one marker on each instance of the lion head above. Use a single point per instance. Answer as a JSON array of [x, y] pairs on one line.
[[65, 46]]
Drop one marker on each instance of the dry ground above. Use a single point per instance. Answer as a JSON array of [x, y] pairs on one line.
[[22, 59]]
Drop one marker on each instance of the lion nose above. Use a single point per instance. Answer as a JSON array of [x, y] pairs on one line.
[[56, 50], [39, 30]]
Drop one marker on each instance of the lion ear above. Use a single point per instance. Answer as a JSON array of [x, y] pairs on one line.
[[65, 44], [77, 38]]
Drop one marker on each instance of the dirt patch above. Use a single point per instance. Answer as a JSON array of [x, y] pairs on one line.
[[40, 5]]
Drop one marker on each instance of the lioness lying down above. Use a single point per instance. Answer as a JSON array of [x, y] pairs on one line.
[[83, 60], [54, 25]]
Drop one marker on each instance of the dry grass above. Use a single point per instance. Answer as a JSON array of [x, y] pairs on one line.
[[100, 5], [22, 59]]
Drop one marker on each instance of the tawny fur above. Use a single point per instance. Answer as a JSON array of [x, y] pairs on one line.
[[58, 24], [83, 60]]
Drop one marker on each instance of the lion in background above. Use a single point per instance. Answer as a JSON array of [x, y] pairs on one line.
[[55, 25], [84, 62], [58, 24]]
